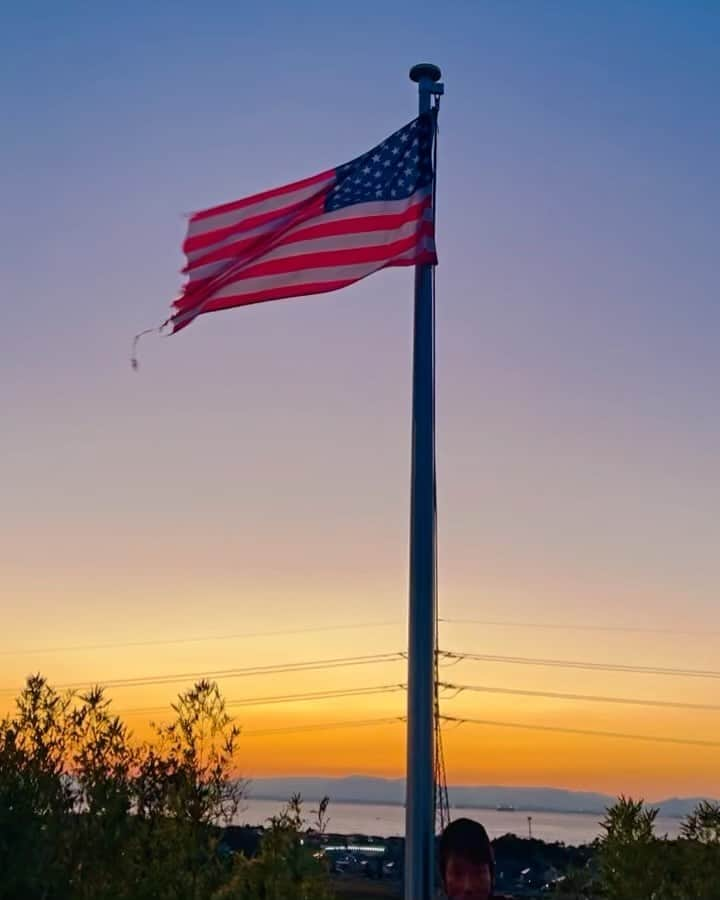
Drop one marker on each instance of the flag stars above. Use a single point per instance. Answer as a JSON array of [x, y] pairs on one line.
[[394, 169]]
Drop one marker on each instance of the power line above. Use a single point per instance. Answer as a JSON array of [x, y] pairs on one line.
[[244, 635], [583, 731], [283, 698], [251, 635], [560, 626], [589, 666], [310, 666], [592, 698], [327, 726]]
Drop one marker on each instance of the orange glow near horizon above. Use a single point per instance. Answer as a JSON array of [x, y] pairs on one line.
[[476, 754]]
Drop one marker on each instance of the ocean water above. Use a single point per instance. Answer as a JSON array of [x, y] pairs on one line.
[[388, 821]]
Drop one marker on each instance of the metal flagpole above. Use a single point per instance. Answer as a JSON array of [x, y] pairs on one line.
[[420, 797]]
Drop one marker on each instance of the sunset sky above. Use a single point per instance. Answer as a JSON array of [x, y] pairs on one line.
[[243, 500]]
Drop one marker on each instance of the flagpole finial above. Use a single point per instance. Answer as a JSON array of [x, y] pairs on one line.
[[425, 71]]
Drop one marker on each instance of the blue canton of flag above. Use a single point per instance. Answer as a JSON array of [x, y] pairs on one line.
[[393, 170]]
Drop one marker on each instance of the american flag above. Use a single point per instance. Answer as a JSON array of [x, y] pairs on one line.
[[315, 235]]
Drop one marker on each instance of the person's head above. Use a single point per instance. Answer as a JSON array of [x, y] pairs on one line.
[[467, 864]]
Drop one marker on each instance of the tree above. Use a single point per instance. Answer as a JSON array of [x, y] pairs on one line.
[[635, 864], [700, 852], [627, 851], [199, 750], [703, 824], [87, 814], [102, 767], [36, 796], [186, 789], [286, 868]]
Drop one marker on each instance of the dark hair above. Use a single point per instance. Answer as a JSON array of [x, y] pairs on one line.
[[468, 840]]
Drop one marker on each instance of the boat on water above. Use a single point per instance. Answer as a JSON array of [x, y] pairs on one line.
[[505, 807]]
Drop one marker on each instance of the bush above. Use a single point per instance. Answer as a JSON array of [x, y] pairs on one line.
[[85, 814]]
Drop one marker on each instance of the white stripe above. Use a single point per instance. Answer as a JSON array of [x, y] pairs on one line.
[[340, 242], [361, 210], [235, 216], [313, 245], [245, 286], [377, 207], [273, 225]]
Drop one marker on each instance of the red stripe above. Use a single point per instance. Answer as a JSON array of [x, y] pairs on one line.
[[243, 247], [257, 198], [361, 224], [335, 257], [195, 292], [357, 225], [179, 322], [311, 206], [261, 296]]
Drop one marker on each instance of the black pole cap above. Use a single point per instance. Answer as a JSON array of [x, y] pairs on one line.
[[425, 71]]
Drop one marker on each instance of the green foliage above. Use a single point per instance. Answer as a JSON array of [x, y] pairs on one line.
[[636, 864], [703, 825], [185, 790], [36, 800], [285, 869], [86, 814], [627, 851]]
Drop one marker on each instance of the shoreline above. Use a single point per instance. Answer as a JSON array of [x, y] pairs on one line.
[[265, 798]]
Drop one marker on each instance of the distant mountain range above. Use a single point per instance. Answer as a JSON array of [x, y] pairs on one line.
[[358, 789]]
